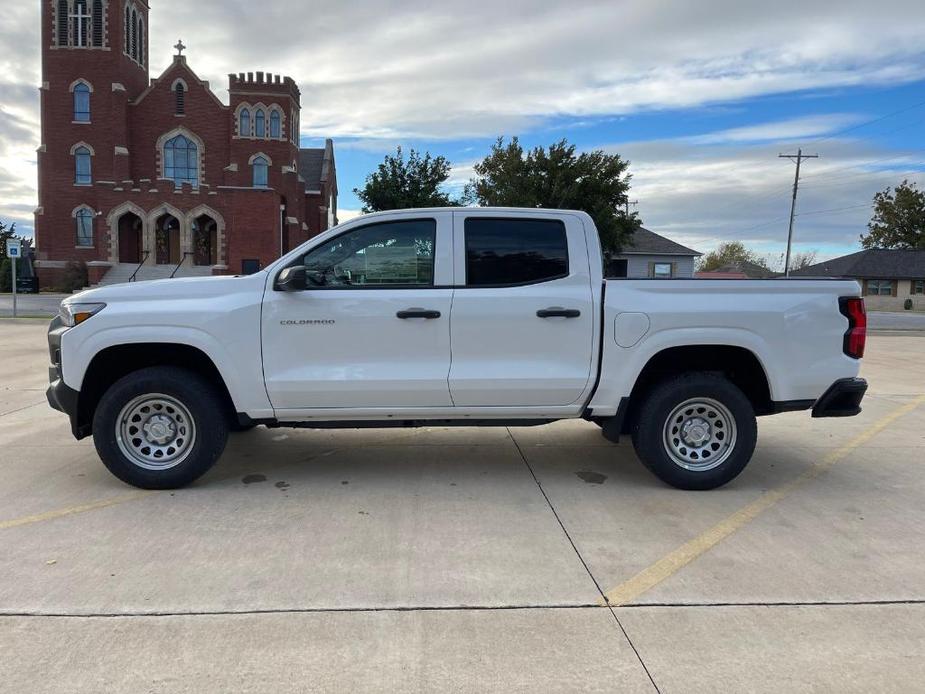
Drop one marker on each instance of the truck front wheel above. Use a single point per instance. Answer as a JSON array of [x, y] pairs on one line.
[[695, 431], [160, 428]]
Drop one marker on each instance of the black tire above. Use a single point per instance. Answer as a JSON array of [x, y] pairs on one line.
[[204, 406], [657, 444]]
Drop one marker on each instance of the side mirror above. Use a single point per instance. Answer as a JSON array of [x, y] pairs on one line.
[[292, 279]]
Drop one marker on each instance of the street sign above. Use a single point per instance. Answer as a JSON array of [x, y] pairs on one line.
[[13, 251]]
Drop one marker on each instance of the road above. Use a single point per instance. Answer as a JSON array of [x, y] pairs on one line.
[[467, 559], [45, 305]]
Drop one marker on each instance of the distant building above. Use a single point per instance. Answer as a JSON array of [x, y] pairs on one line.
[[652, 255], [888, 277], [160, 172], [743, 270]]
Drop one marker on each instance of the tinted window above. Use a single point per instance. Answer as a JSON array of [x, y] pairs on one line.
[[387, 254], [250, 266], [514, 251]]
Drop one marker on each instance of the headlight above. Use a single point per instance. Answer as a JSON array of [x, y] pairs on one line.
[[74, 314]]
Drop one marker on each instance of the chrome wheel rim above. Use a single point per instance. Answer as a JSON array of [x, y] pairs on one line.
[[699, 434], [155, 431]]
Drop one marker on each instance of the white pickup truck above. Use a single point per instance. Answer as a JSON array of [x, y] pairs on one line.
[[439, 317]]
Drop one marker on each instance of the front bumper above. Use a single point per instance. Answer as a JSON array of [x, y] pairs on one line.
[[842, 399], [60, 396]]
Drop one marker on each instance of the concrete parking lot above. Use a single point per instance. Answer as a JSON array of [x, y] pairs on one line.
[[467, 560]]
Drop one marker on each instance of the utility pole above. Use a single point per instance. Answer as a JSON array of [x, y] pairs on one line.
[[626, 205], [798, 158]]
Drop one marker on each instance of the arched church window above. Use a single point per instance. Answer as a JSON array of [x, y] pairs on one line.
[[82, 171], [275, 124], [98, 23], [128, 30], [134, 26], [140, 57], [62, 23], [80, 24], [180, 98], [81, 102], [261, 172], [83, 222], [181, 161], [260, 123], [244, 123]]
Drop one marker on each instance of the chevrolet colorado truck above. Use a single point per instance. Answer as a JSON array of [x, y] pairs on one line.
[[445, 317]]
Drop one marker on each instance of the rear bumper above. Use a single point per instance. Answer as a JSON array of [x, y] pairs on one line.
[[842, 399]]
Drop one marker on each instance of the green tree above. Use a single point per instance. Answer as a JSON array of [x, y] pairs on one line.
[[730, 253], [557, 177], [398, 183], [4, 235], [898, 220]]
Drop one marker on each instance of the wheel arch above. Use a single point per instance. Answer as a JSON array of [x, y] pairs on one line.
[[114, 362], [742, 366]]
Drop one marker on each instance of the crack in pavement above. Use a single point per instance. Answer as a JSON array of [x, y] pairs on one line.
[[582, 560], [443, 608]]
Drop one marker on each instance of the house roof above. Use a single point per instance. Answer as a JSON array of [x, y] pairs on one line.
[[744, 269], [876, 263], [646, 242], [315, 164]]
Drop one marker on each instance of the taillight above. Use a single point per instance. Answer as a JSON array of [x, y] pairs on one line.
[[852, 308]]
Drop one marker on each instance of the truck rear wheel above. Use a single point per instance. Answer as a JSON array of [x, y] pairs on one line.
[[160, 427], [695, 431]]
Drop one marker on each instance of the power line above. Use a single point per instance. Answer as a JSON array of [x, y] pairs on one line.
[[866, 123]]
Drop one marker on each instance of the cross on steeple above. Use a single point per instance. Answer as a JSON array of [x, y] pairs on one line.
[[83, 19], [180, 47]]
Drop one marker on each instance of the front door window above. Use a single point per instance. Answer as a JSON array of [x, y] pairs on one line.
[[388, 255]]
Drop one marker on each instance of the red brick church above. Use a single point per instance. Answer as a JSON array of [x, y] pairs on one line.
[[160, 173]]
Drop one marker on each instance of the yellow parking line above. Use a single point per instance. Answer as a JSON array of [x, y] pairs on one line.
[[51, 515], [671, 563]]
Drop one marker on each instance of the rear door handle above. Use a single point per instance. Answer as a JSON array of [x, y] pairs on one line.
[[418, 313], [558, 312]]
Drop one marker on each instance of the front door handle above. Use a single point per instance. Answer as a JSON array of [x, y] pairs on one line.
[[418, 313], [558, 312]]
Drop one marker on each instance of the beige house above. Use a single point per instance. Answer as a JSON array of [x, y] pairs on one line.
[[891, 280]]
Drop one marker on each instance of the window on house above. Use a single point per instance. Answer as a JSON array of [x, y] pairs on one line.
[[386, 254], [180, 107], [84, 227], [275, 124], [514, 251], [661, 270], [260, 123], [261, 172], [81, 102], [244, 123], [181, 161], [98, 23], [128, 30], [880, 287], [918, 286], [82, 173]]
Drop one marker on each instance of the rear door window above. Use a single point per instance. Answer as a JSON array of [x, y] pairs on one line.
[[503, 251]]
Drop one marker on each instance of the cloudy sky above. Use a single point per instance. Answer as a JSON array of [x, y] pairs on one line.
[[700, 96]]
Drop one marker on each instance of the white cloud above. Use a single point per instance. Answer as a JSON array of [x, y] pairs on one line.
[[789, 129], [387, 70]]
